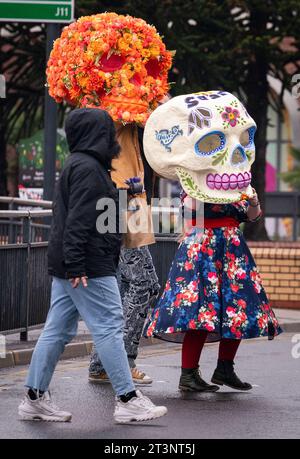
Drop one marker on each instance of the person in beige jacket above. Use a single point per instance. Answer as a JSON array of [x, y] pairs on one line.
[[138, 281]]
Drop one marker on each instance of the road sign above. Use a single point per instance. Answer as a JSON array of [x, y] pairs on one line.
[[37, 11]]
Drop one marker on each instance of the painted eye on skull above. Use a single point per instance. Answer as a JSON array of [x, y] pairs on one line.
[[247, 137], [210, 143]]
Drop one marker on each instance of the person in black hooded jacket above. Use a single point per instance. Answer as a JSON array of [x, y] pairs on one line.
[[76, 248], [83, 261]]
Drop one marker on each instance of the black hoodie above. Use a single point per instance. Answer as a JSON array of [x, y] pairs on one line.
[[76, 248]]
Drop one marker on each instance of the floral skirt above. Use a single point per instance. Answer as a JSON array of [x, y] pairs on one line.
[[213, 285]]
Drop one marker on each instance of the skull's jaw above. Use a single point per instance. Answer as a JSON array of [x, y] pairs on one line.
[[195, 185]]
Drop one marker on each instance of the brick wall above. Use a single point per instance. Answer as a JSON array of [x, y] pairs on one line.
[[279, 265]]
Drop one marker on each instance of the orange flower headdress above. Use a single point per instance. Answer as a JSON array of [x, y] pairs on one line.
[[114, 62]]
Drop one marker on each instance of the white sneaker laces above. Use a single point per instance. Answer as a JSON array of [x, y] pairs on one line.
[[47, 399], [145, 401]]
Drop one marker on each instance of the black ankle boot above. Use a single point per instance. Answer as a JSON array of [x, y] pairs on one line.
[[191, 381], [224, 375]]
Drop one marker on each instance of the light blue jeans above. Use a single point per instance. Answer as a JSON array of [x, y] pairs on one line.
[[100, 306], [139, 289]]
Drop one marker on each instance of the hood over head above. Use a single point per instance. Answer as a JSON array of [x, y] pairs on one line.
[[92, 131]]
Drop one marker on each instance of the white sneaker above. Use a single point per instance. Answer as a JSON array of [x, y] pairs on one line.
[[42, 409], [139, 408]]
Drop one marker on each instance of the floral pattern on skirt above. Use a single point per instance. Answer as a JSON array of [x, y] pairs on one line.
[[213, 285]]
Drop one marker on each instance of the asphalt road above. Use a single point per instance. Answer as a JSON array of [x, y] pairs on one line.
[[270, 410]]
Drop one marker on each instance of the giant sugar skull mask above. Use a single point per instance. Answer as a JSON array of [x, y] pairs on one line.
[[114, 62], [206, 140]]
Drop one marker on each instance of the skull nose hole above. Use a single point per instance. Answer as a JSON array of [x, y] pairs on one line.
[[238, 156]]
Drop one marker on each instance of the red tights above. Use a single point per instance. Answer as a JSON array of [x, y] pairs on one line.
[[193, 344]]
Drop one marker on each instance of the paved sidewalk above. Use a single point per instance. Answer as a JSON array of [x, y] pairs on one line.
[[289, 319], [19, 352], [13, 342]]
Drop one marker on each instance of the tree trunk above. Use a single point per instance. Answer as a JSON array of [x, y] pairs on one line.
[[257, 89]]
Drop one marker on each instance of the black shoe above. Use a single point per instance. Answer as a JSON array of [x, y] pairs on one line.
[[191, 381], [224, 375]]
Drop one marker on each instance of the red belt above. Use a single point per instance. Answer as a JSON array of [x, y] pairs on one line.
[[218, 222]]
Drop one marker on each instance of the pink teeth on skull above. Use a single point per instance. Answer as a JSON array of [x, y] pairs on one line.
[[233, 181], [218, 181], [241, 181], [228, 181], [247, 179], [210, 181], [225, 181]]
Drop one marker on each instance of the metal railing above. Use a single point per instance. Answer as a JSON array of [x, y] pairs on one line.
[[24, 282]]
